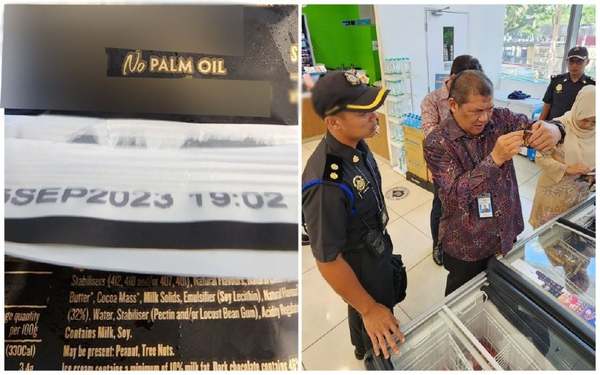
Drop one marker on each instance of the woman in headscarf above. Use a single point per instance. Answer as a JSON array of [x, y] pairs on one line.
[[563, 183]]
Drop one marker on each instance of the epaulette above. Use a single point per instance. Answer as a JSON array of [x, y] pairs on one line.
[[334, 169]]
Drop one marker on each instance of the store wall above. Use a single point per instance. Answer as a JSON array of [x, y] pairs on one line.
[[336, 45], [402, 33]]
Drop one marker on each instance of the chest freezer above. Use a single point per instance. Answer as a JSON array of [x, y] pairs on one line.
[[582, 217], [531, 310]]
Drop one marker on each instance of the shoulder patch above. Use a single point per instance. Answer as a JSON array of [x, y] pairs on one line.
[[334, 169]]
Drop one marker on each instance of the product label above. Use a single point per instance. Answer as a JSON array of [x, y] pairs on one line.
[[59, 318], [131, 63], [150, 206], [93, 216]]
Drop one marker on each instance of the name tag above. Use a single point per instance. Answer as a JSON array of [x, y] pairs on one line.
[[484, 206]]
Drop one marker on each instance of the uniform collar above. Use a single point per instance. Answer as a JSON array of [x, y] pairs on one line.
[[351, 155], [583, 79], [455, 131]]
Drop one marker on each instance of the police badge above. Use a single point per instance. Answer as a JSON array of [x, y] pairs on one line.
[[359, 183], [559, 88]]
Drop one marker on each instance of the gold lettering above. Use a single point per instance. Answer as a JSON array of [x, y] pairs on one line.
[[100, 352], [186, 65], [127, 351], [204, 66], [172, 67], [163, 67], [106, 332], [133, 66], [154, 61], [294, 53], [221, 70]]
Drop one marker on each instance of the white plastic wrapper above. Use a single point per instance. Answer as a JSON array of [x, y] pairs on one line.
[[152, 196]]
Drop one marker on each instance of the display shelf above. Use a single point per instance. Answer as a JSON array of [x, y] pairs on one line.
[[397, 78]]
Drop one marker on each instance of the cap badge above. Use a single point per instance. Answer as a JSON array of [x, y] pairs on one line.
[[355, 78]]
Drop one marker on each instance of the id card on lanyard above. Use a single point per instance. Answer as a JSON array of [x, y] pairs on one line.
[[485, 209], [484, 206]]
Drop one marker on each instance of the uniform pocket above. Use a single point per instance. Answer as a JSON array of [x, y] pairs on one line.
[[400, 279]]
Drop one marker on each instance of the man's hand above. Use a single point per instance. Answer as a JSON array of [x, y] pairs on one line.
[[379, 321], [507, 146], [544, 137], [577, 169], [382, 328]]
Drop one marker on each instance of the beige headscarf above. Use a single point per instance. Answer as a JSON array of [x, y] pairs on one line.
[[580, 144]]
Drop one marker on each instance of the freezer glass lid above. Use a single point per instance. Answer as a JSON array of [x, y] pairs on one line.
[[562, 263], [585, 216]]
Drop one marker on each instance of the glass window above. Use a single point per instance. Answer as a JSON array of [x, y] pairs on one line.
[[587, 36], [534, 41]]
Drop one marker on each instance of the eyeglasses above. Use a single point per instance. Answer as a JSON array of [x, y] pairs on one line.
[[477, 114]]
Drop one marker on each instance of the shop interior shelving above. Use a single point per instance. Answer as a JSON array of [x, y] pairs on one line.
[[397, 78]]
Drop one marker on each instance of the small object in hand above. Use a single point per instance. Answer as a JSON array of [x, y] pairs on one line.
[[589, 177], [526, 136]]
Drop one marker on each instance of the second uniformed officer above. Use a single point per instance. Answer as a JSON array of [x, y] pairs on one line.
[[563, 88], [344, 211]]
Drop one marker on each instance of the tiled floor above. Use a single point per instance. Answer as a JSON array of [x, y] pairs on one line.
[[325, 337]]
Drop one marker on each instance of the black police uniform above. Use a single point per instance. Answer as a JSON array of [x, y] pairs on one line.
[[561, 93], [342, 202]]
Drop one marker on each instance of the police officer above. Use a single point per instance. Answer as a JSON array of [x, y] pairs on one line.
[[563, 88], [344, 211]]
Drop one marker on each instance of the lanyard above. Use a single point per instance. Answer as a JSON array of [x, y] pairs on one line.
[[372, 171]]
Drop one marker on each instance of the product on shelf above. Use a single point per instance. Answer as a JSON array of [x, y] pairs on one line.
[[396, 65], [397, 79], [488, 346]]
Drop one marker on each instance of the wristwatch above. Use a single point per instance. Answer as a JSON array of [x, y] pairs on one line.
[[561, 128]]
